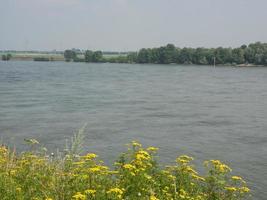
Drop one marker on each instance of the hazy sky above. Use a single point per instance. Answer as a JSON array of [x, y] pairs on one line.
[[130, 24]]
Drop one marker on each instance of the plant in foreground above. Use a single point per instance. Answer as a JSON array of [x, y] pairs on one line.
[[136, 175]]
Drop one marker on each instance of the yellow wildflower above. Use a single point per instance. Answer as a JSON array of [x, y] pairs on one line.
[[237, 178], [90, 192], [184, 159], [79, 196], [94, 169], [136, 144], [182, 194], [189, 169], [231, 189], [152, 197], [198, 177], [12, 172], [153, 149], [142, 155], [89, 156], [128, 166], [219, 166], [244, 189], [79, 163], [148, 176], [171, 177], [3, 150], [143, 152], [116, 191]]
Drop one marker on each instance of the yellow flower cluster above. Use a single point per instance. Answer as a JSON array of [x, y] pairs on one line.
[[137, 175], [219, 166], [89, 156], [116, 192], [79, 196]]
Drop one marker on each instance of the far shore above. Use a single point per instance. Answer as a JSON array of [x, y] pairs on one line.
[[60, 58], [252, 55]]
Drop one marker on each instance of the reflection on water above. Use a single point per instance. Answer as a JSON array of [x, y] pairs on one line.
[[198, 110]]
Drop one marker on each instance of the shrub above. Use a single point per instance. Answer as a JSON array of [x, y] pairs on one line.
[[43, 59], [136, 175]]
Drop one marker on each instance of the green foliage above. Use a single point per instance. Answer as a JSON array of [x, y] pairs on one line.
[[97, 56], [186, 56], [203, 56], [88, 56], [70, 55], [224, 55], [6, 57], [238, 56], [77, 59], [44, 59], [131, 57], [117, 59], [93, 56], [255, 53], [76, 144], [135, 176]]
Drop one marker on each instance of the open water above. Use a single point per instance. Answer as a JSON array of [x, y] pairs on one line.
[[205, 112]]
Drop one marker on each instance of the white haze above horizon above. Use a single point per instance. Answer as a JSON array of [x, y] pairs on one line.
[[125, 25]]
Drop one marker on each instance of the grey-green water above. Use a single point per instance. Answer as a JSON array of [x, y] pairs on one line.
[[206, 112]]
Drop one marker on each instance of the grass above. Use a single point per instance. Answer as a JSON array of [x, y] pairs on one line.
[[136, 175]]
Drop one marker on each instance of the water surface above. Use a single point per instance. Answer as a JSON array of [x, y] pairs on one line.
[[206, 112]]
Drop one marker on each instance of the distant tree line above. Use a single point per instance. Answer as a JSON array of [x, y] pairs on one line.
[[6, 57], [255, 53], [43, 59]]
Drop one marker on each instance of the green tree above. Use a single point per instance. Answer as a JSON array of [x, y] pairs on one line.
[[253, 53], [155, 55], [9, 56], [6, 57], [186, 56], [238, 56], [88, 56], [94, 56], [168, 54], [264, 58], [132, 57], [97, 56], [143, 56], [200, 56], [3, 57], [223, 55], [69, 55], [249, 55]]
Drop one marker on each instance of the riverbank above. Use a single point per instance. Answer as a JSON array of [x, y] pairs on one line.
[[46, 57], [39, 57], [32, 56], [255, 54]]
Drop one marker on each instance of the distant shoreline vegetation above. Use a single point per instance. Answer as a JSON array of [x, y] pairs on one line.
[[254, 54], [6, 57], [42, 59]]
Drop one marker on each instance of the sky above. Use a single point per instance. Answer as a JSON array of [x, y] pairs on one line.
[[128, 25]]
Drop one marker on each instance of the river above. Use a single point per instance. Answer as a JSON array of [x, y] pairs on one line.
[[205, 112]]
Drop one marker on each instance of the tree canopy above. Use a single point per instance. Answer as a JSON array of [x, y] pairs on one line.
[[255, 53], [70, 55], [93, 56], [6, 57]]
